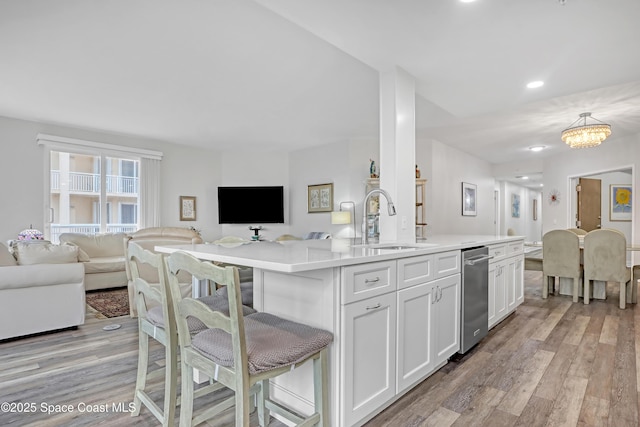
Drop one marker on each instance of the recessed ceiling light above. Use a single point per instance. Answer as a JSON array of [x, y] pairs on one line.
[[467, 1], [535, 84], [537, 148]]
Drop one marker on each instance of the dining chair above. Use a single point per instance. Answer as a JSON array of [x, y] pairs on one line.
[[561, 258], [156, 320], [605, 258], [578, 231], [243, 352]]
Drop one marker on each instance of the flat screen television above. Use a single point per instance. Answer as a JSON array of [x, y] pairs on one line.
[[251, 205]]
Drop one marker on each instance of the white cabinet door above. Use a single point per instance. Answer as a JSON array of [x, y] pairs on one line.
[[519, 280], [369, 343], [415, 341], [446, 321], [510, 283], [497, 293]]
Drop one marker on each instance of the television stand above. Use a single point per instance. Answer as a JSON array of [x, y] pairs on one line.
[[256, 230]]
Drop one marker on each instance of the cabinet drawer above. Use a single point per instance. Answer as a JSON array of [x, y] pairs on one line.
[[515, 248], [367, 280], [446, 263], [497, 252], [415, 270]]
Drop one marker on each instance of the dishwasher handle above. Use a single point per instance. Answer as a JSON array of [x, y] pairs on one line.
[[477, 259]]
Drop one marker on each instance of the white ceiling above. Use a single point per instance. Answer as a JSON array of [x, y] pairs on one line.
[[286, 74]]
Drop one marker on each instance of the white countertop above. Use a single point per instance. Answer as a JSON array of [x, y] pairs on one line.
[[305, 255]]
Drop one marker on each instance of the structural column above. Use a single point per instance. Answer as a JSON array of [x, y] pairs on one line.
[[397, 154]]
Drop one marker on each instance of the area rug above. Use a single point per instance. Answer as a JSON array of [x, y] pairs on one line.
[[109, 303]]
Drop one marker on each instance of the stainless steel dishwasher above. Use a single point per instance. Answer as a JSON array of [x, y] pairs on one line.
[[474, 310]]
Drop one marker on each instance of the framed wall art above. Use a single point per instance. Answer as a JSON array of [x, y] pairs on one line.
[[320, 198], [620, 202], [187, 208], [469, 199], [515, 205]]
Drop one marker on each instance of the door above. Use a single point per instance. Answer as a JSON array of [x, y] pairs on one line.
[[589, 204], [415, 341], [446, 321], [370, 353]]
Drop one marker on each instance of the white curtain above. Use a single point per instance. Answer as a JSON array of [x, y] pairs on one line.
[[149, 192]]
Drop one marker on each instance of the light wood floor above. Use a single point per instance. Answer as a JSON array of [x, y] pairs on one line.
[[552, 363]]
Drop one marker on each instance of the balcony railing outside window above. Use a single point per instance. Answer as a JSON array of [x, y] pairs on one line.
[[58, 229], [90, 183]]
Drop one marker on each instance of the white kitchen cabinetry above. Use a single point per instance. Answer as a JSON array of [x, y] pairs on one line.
[[506, 281], [428, 315], [401, 322], [370, 355]]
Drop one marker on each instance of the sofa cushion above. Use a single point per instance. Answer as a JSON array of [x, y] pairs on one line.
[[82, 255], [104, 265], [28, 254], [97, 245], [37, 275], [164, 234], [6, 257]]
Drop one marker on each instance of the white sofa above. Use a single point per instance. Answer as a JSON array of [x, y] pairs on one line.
[[102, 256], [149, 238], [42, 290]]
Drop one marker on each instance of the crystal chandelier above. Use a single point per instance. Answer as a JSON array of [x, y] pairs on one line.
[[583, 135]]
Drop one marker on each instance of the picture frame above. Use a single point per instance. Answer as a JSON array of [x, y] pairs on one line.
[[187, 208], [469, 199], [320, 198], [620, 202], [515, 205]]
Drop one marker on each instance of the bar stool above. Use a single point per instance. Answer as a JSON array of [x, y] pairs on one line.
[[243, 352], [152, 323]]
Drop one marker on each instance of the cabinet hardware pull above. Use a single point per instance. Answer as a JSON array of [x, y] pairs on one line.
[[373, 307], [377, 279]]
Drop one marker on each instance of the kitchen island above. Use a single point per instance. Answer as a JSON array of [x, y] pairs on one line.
[[394, 308]]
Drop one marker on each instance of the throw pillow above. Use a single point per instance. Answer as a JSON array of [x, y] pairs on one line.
[[6, 258], [28, 254], [82, 255]]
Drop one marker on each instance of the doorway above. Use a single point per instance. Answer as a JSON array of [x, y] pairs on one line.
[[589, 198], [608, 179]]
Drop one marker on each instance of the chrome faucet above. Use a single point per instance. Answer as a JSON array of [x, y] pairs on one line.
[[390, 208]]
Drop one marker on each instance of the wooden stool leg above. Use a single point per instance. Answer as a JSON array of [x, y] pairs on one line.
[[143, 362], [170, 385], [263, 396], [320, 388], [186, 395]]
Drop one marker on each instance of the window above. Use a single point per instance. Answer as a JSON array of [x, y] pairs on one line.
[[94, 187], [128, 213], [81, 194]]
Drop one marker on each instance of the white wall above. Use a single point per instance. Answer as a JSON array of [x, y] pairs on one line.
[[449, 167], [615, 177], [346, 165], [185, 171], [613, 154], [246, 169], [524, 225]]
